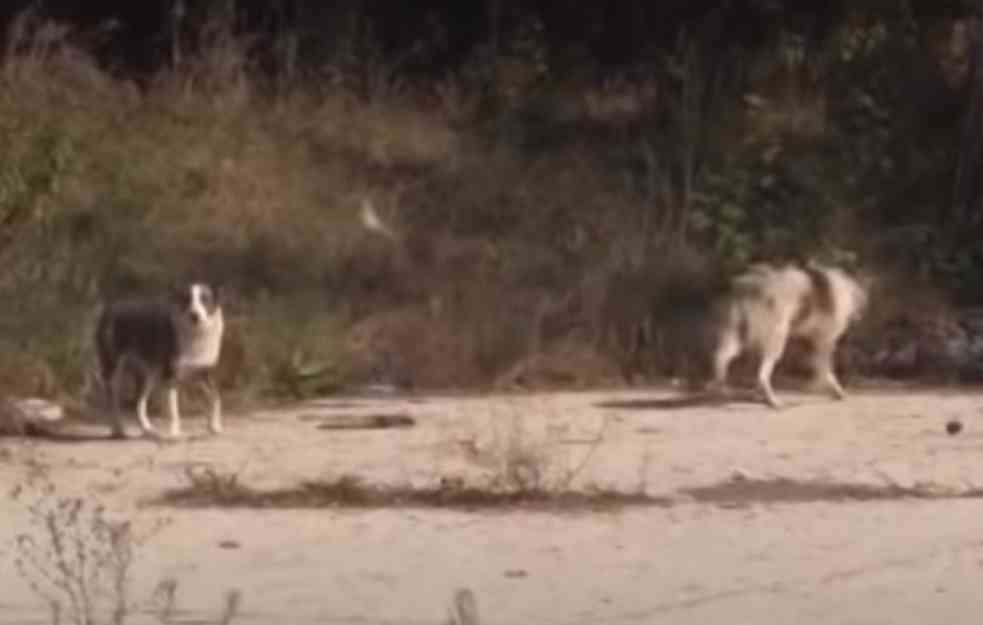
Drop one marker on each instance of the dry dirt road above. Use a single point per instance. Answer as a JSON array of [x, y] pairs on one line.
[[863, 511]]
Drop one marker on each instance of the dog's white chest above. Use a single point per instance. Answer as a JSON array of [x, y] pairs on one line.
[[200, 347]]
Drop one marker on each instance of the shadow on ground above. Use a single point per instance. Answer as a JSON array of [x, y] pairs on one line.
[[745, 492], [695, 400]]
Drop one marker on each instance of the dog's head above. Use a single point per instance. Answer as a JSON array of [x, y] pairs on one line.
[[199, 303]]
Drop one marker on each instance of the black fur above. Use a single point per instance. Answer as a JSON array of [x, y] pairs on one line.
[[141, 330]]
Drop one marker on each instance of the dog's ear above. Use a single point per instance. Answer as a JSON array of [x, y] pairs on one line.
[[216, 291]]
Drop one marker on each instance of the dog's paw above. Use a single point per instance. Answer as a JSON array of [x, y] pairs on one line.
[[774, 403]]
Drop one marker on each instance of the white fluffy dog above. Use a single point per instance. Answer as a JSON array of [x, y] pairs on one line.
[[767, 305]]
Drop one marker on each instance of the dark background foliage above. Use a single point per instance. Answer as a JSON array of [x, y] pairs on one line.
[[552, 167]]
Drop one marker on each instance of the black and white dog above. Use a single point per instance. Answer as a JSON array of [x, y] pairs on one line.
[[165, 341]]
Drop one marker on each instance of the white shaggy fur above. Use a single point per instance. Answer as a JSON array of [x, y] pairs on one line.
[[768, 305]]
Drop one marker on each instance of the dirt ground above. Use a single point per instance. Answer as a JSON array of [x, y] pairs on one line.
[[863, 511]]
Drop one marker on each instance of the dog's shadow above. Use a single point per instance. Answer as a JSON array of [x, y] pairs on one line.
[[80, 433], [691, 400], [63, 433]]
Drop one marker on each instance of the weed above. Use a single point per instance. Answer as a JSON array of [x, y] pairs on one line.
[[519, 462], [78, 559], [518, 470], [212, 484], [163, 604], [352, 492], [463, 609]]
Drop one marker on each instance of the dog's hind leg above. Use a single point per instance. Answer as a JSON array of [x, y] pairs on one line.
[[147, 383]]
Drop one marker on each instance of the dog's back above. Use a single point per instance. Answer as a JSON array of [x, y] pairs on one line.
[[141, 331], [762, 298]]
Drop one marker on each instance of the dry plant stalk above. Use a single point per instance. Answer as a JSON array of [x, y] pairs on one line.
[[79, 562], [77, 559], [463, 609]]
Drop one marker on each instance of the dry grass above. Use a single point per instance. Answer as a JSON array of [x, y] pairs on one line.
[[350, 492], [81, 562], [128, 190], [511, 196], [513, 468]]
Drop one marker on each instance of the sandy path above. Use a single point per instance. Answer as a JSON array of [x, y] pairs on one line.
[[893, 561]]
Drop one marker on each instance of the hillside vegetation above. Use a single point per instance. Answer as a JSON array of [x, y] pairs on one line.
[[537, 206]]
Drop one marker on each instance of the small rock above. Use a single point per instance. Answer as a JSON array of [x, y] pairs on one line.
[[18, 416], [378, 390], [35, 409]]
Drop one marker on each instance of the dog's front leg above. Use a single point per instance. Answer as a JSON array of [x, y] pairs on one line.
[[215, 421], [173, 411], [825, 376]]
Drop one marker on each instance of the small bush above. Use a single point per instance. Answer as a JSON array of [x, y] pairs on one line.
[[77, 559]]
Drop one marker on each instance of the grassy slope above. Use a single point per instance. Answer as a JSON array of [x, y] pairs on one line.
[[521, 218]]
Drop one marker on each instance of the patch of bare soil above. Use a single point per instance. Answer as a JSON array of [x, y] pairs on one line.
[[597, 507]]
